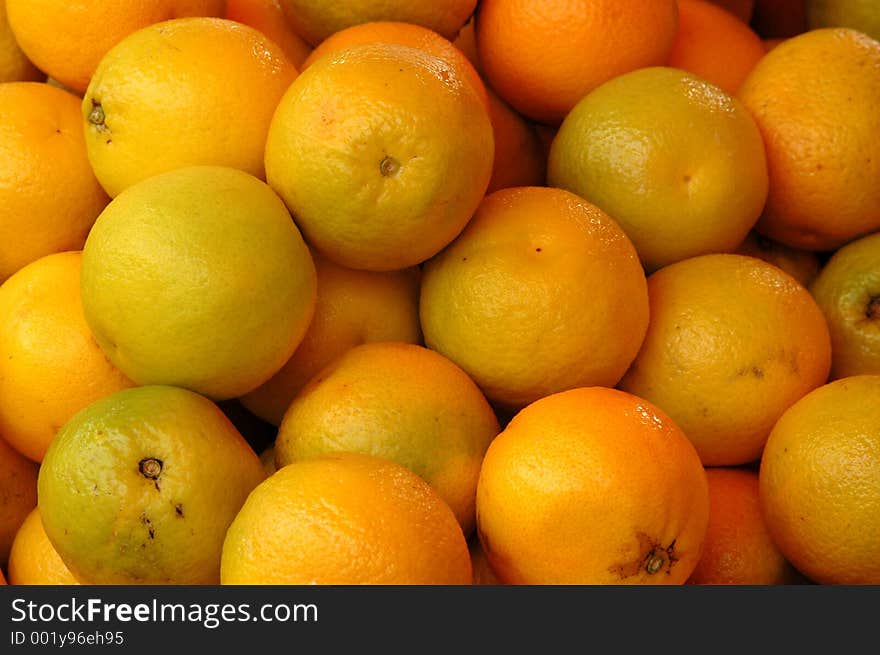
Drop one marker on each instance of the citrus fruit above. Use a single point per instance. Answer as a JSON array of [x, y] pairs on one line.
[[68, 39], [34, 560], [541, 292], [738, 547], [53, 366], [592, 486], [18, 494], [519, 153], [198, 278], [848, 292], [802, 265], [862, 15], [315, 20], [14, 64], [742, 9], [733, 342], [675, 160], [818, 482], [713, 44], [402, 402], [352, 307], [171, 95], [49, 196], [466, 41], [140, 487], [814, 98], [267, 16], [345, 519], [377, 176], [406, 34], [542, 58]]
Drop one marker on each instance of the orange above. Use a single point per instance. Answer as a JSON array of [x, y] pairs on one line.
[[267, 16], [542, 58], [733, 342], [345, 519], [742, 9], [2, 578], [714, 45], [519, 160], [380, 177], [18, 494], [315, 20], [34, 560], [141, 486], [171, 95], [352, 307], [676, 160], [466, 41], [848, 292], [592, 486], [779, 18], [49, 196], [814, 98], [519, 152], [14, 64], [819, 490], [738, 548], [802, 265], [862, 15], [541, 292], [481, 569], [198, 278], [406, 34], [68, 39], [402, 402], [54, 366]]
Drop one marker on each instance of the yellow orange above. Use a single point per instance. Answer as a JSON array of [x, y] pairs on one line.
[[733, 342], [198, 278], [818, 482], [380, 177], [54, 366], [592, 486], [192, 91], [814, 98], [49, 196], [345, 519], [675, 160], [541, 292], [141, 486], [68, 39]]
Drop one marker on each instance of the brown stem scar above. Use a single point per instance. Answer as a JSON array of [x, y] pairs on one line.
[[150, 468], [389, 166]]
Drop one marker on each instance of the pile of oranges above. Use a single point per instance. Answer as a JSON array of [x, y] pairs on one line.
[[449, 292]]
